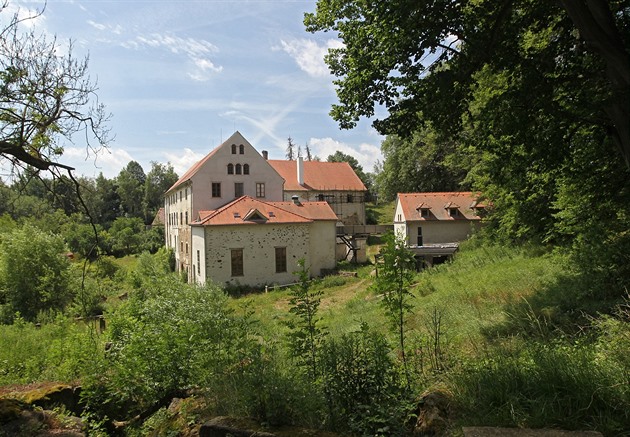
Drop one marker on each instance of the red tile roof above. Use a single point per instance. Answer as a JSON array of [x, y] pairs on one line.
[[318, 176], [438, 205], [247, 210]]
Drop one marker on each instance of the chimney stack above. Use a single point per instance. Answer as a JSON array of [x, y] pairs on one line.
[[265, 154], [300, 171]]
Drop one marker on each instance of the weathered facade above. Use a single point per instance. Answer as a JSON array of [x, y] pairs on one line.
[[250, 242]]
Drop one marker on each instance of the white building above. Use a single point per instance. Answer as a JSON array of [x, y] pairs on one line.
[[195, 205]]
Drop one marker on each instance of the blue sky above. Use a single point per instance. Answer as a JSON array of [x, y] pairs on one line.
[[181, 76]]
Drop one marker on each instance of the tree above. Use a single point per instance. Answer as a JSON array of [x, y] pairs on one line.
[[290, 149], [421, 58], [309, 156], [127, 235], [159, 179], [46, 99], [339, 156], [131, 185], [420, 163], [393, 282], [33, 273]]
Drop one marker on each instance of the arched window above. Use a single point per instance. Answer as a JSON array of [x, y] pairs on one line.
[[241, 149], [233, 149], [238, 168], [245, 168], [230, 168]]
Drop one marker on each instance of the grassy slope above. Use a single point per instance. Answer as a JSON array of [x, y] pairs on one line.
[[472, 294]]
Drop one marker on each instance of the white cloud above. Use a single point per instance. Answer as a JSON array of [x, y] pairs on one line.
[[309, 55], [366, 154], [182, 162], [197, 51], [109, 161]]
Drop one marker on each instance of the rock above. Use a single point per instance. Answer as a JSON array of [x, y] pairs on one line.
[[228, 426], [486, 431], [51, 396], [434, 410], [10, 409]]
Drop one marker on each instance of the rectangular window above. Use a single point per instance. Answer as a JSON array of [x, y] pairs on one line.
[[238, 189], [260, 189], [281, 259], [198, 264], [237, 262], [216, 189]]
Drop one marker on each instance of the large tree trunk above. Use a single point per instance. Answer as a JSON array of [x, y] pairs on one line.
[[595, 22]]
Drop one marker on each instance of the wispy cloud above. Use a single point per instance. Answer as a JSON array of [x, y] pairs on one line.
[[197, 51], [109, 161], [309, 55]]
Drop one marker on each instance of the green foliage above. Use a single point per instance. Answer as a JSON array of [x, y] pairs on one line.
[[305, 335], [165, 339], [418, 164], [393, 282], [364, 392], [50, 352], [33, 273], [339, 156], [126, 235]]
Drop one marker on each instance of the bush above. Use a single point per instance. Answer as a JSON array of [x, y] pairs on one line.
[[362, 385]]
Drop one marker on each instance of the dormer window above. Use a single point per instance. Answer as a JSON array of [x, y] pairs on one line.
[[453, 212], [425, 213]]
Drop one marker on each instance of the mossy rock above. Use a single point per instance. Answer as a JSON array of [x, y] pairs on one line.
[[10, 409], [55, 395]]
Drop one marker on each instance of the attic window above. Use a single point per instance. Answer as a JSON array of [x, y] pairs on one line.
[[237, 215], [255, 215], [424, 212], [272, 214], [453, 212]]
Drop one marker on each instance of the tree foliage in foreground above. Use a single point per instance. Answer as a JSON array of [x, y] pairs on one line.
[[33, 274], [47, 100]]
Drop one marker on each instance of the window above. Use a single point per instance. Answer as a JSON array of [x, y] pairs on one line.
[[241, 149], [419, 236], [198, 263], [186, 194], [245, 168], [230, 168], [424, 213], [181, 246], [281, 259], [399, 217], [216, 189], [181, 217], [186, 216], [238, 168], [260, 189], [233, 149], [453, 212], [238, 189], [237, 262], [320, 197], [186, 248], [349, 198]]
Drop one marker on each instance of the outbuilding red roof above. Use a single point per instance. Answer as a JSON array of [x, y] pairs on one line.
[[439, 205], [318, 176]]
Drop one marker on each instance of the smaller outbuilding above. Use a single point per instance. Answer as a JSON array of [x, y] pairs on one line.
[[435, 223], [252, 242]]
